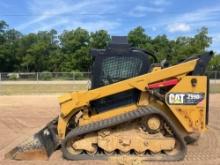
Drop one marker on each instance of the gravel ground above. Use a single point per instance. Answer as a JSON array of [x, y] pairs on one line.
[[21, 116]]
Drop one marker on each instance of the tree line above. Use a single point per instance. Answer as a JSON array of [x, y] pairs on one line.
[[69, 51]]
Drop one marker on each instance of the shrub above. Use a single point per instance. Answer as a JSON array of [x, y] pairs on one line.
[[13, 76], [78, 76], [45, 75]]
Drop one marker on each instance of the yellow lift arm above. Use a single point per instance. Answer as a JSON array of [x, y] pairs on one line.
[[73, 102]]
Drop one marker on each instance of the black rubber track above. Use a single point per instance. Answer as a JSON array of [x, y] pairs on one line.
[[140, 112]]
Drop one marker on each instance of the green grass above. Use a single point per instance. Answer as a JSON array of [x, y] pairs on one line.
[[11, 89]]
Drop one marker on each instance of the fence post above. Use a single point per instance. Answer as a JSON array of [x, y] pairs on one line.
[[37, 76], [0, 83], [73, 76]]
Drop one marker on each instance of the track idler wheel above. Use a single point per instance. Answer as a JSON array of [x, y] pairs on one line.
[[152, 124]]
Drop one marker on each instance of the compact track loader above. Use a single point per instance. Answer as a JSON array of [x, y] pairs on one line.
[[135, 106]]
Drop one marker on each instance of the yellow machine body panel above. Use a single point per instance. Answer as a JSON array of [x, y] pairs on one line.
[[192, 117], [76, 101], [72, 101]]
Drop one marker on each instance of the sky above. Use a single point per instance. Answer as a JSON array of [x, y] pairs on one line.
[[171, 17]]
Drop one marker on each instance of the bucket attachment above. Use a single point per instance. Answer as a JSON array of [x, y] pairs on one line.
[[38, 147]]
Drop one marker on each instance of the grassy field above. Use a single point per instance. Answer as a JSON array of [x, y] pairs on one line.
[[13, 89]]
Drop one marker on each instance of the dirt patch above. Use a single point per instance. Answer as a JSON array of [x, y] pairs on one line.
[[21, 116]]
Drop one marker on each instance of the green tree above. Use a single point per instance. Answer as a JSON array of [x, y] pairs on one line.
[[161, 46], [201, 41], [186, 46], [75, 47], [36, 50], [99, 39], [3, 28], [215, 63], [69, 51], [138, 38], [8, 49]]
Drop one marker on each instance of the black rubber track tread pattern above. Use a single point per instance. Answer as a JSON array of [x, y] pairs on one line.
[[140, 112]]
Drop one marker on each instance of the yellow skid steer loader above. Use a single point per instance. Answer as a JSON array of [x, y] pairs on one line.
[[135, 106]]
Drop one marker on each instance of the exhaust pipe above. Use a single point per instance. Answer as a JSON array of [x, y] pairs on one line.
[[38, 147]]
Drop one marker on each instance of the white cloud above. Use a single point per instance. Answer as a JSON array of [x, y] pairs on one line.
[[68, 24], [94, 25], [153, 28], [208, 16], [202, 17], [141, 11], [47, 26], [178, 27], [189, 21], [148, 9], [215, 42], [160, 2], [47, 10], [68, 13]]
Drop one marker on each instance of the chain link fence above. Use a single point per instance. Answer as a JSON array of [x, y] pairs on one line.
[[45, 76], [62, 82], [67, 76], [213, 75]]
